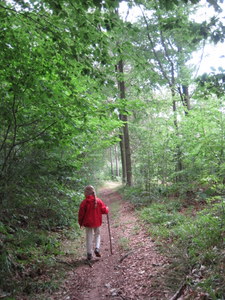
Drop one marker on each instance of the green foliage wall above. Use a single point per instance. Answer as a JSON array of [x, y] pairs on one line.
[[177, 138], [54, 118], [201, 140], [52, 108]]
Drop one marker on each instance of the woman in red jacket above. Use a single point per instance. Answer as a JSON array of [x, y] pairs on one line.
[[90, 216]]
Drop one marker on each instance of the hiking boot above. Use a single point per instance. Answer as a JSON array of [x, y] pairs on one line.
[[89, 256], [97, 253]]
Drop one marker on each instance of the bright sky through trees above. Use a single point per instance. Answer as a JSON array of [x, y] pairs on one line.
[[212, 56]]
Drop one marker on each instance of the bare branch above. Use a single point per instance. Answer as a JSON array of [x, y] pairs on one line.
[[5, 137], [153, 49], [167, 56], [36, 136], [29, 123]]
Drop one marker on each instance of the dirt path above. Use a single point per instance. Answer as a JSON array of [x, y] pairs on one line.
[[132, 272]]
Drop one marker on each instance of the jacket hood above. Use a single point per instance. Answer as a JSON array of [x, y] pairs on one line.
[[90, 198]]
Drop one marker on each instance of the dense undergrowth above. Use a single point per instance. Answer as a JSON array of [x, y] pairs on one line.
[[33, 229], [190, 231], [30, 241]]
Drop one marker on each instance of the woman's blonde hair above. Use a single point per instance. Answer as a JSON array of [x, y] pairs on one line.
[[90, 190]]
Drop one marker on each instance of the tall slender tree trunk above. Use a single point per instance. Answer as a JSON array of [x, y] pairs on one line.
[[186, 97], [117, 161], [125, 140], [179, 165], [123, 158], [111, 163]]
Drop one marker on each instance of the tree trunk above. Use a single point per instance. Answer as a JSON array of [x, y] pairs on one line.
[[117, 161], [111, 163], [125, 141], [179, 166], [127, 152], [123, 158], [186, 97]]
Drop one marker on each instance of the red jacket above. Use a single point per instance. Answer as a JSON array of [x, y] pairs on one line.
[[88, 215]]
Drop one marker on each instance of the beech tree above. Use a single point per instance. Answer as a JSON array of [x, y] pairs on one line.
[[125, 138]]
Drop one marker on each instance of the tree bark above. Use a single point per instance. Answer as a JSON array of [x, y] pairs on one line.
[[123, 159], [125, 140], [179, 165], [186, 97], [111, 163], [117, 161]]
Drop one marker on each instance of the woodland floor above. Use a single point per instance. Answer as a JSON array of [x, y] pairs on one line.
[[134, 269]]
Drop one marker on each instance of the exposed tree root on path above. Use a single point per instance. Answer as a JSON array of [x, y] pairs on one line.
[[132, 272]]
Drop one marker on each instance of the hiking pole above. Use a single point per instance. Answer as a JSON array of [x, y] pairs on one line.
[[110, 239]]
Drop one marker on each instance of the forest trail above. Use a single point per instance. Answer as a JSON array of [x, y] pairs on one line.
[[132, 272]]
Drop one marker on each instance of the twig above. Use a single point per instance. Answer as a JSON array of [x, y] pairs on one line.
[[64, 262], [179, 292], [34, 137], [89, 263], [125, 256]]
